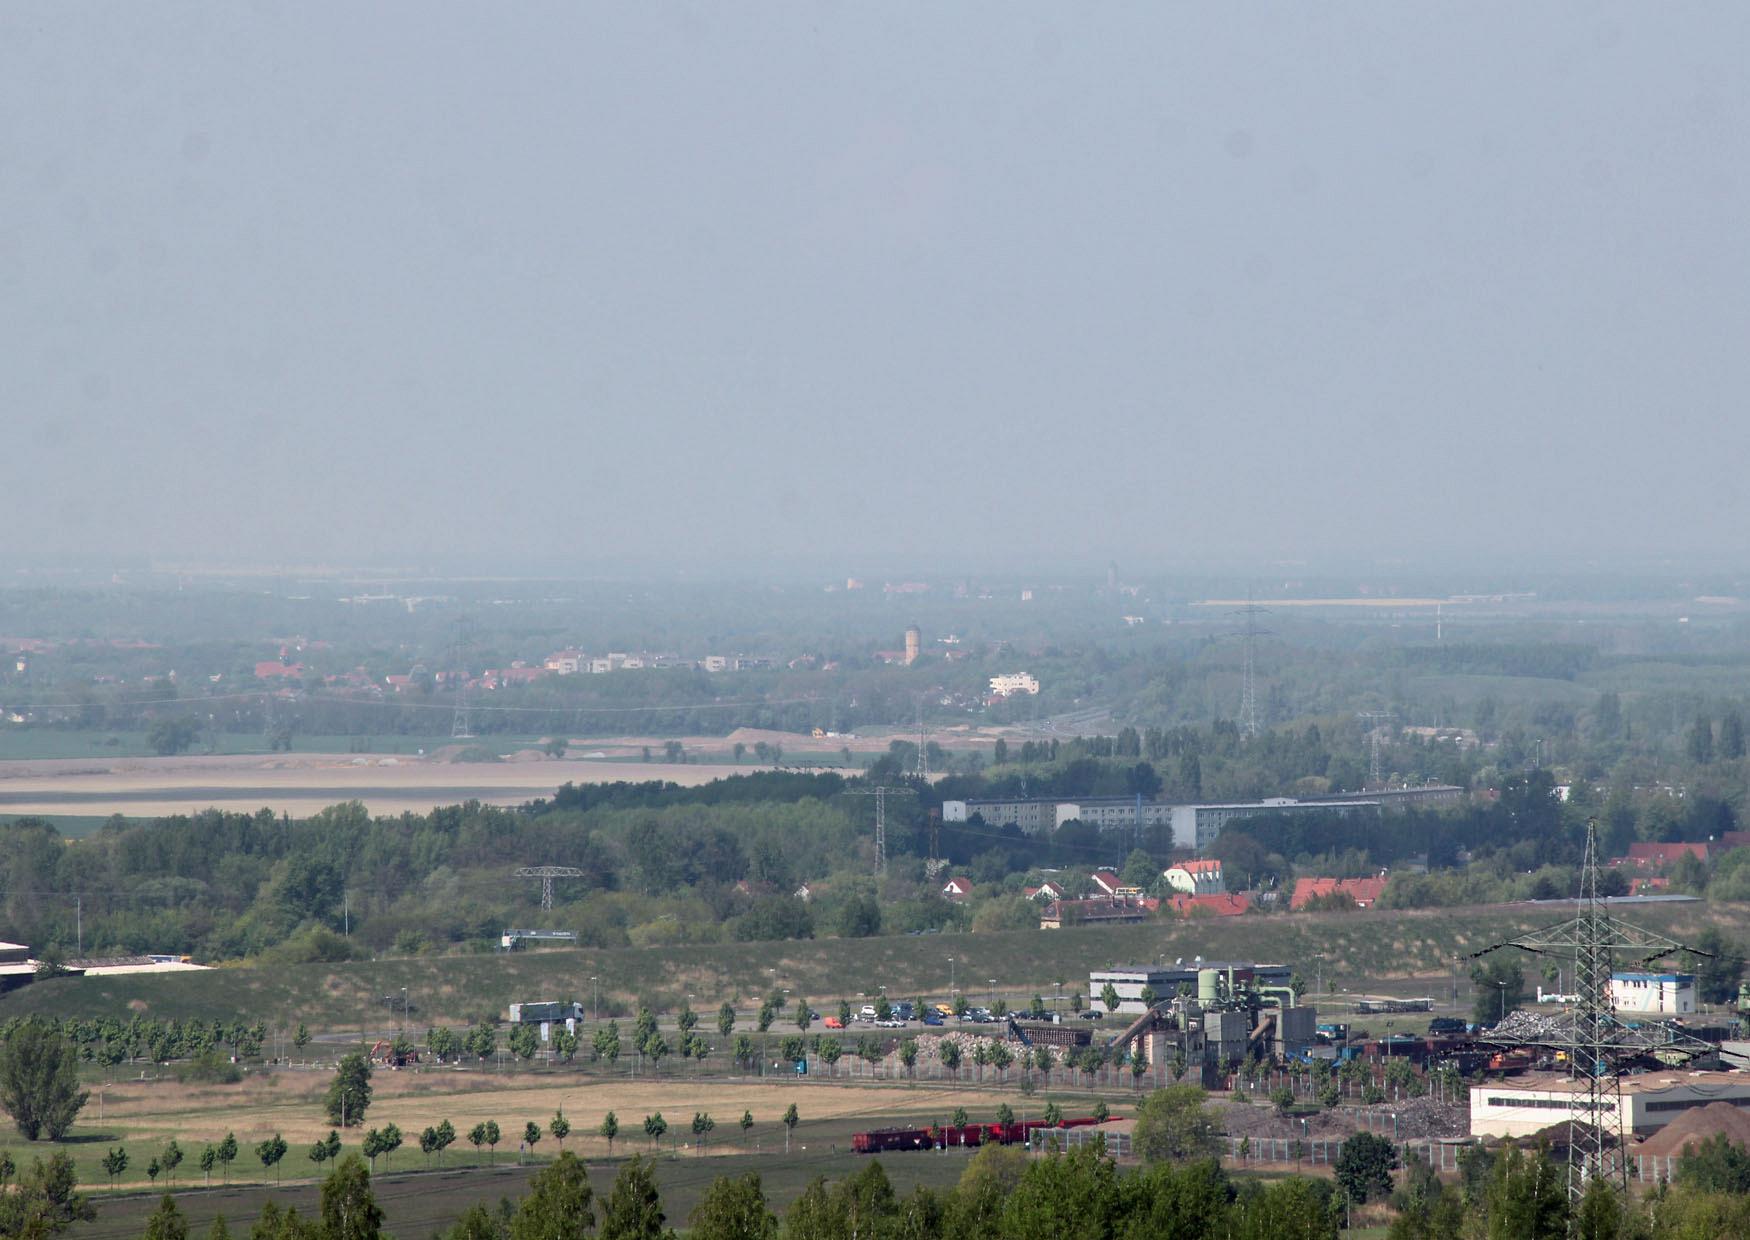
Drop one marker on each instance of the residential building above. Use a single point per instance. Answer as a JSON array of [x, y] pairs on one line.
[[1010, 683], [1201, 877], [1364, 892], [1654, 856], [1658, 994], [1196, 826], [1105, 882], [1046, 891], [715, 663], [1650, 1101], [1224, 904], [1097, 910], [565, 662], [957, 888]]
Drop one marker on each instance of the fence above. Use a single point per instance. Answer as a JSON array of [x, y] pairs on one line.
[[1442, 1155]]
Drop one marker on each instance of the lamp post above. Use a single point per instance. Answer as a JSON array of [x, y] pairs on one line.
[[950, 981], [993, 994], [1055, 998], [595, 1005]]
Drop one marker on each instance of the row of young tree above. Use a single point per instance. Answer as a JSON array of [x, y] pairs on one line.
[[1003, 1194]]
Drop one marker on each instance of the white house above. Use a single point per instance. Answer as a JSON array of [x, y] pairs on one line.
[[1660, 994], [1011, 683], [1196, 878], [957, 888]]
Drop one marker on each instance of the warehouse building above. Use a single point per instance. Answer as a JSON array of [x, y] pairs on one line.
[[1650, 1101]]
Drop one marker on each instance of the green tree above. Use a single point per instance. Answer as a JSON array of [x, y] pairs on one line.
[[654, 1127], [301, 1038], [605, 1043], [1500, 988], [45, 1201], [726, 1020], [560, 1127], [1526, 1197], [733, 1208], [559, 1204], [170, 1159], [1698, 743], [804, 1014], [1109, 996], [1174, 1124], [610, 1128], [1715, 1165], [908, 1055], [166, 1222], [524, 1041], [228, 1154], [1719, 966], [949, 1053], [531, 1136], [39, 1079], [271, 1151], [702, 1126], [746, 1125], [115, 1162], [1364, 1167], [349, 1209], [633, 1210], [1065, 1195], [168, 737], [446, 1137], [349, 1094], [791, 1118], [1731, 745]]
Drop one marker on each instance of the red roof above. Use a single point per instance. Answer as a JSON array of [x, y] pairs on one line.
[[1230, 905], [1105, 880], [1665, 854], [274, 668], [1203, 866], [1364, 891], [956, 887]]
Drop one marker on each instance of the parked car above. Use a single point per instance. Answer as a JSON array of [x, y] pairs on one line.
[[833, 1022], [1090, 1015], [932, 1017], [868, 1012], [1445, 1026]]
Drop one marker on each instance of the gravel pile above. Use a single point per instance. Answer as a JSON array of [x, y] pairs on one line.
[[1523, 1026]]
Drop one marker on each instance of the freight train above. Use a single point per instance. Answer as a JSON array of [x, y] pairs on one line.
[[882, 1140]]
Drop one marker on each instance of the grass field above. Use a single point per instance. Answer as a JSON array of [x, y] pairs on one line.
[[142, 1116], [1362, 951]]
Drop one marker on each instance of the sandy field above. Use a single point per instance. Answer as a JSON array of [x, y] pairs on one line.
[[301, 784]]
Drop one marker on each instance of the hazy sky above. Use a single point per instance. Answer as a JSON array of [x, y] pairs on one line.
[[835, 283]]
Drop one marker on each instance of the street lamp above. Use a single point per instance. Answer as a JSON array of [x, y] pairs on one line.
[[950, 981], [1503, 987], [993, 994], [1055, 998], [595, 1005]]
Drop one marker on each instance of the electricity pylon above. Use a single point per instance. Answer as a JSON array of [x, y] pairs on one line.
[[547, 873], [880, 792], [1599, 1046]]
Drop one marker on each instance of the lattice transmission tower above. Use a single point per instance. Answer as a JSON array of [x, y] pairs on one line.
[[1376, 719], [547, 873], [1249, 635], [1598, 1045], [880, 792], [462, 724]]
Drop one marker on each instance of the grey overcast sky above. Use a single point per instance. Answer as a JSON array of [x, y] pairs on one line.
[[756, 284]]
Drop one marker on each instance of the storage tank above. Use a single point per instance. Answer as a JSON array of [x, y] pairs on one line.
[[1208, 987]]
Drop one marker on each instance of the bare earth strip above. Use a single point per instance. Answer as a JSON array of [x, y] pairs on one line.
[[302, 784]]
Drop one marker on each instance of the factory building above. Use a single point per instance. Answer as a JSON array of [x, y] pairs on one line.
[[1649, 1101], [1655, 994], [1164, 980]]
